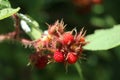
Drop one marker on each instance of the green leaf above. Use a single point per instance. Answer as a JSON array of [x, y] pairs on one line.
[[4, 13], [35, 33], [30, 26], [4, 4], [103, 39]]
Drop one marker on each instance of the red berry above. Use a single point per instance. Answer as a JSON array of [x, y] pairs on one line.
[[67, 38], [58, 56], [41, 62], [72, 57]]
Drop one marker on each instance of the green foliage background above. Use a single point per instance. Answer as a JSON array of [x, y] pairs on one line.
[[98, 65]]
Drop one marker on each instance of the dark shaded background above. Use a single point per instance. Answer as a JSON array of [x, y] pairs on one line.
[[98, 65]]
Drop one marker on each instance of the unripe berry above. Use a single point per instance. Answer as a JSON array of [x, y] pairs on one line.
[[82, 39], [41, 62], [57, 27], [58, 56], [72, 57], [33, 58], [67, 38]]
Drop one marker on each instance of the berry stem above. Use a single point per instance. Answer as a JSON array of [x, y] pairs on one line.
[[78, 67]]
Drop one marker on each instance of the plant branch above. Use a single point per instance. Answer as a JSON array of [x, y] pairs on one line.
[[16, 25], [12, 35]]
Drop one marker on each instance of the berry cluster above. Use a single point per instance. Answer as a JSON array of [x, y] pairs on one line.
[[56, 45]]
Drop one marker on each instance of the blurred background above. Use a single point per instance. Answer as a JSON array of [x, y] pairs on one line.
[[91, 14]]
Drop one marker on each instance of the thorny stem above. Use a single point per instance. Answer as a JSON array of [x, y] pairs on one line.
[[15, 35], [16, 25], [11, 36]]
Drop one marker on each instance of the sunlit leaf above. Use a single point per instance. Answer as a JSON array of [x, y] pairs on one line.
[[30, 26], [4, 4], [104, 39], [7, 12]]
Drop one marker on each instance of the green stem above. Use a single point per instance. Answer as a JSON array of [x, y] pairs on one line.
[[79, 70]]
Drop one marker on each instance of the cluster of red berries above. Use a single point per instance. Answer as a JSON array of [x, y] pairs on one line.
[[56, 45]]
